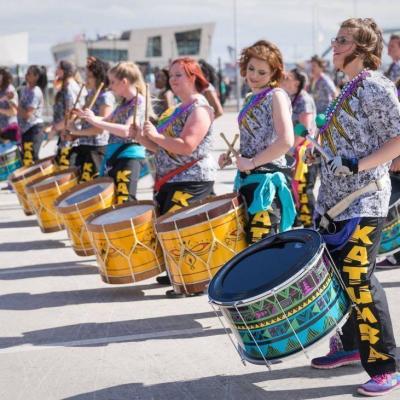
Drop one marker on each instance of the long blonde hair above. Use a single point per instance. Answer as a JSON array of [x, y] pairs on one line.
[[131, 72]]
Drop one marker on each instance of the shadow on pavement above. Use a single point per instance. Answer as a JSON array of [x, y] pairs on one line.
[[390, 284], [148, 327], [34, 245], [19, 224], [234, 387], [106, 294], [70, 268]]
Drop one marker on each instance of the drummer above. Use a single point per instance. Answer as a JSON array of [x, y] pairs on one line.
[[304, 113], [8, 107], [182, 143], [30, 113], [361, 137], [92, 140], [65, 99], [123, 157], [266, 134]]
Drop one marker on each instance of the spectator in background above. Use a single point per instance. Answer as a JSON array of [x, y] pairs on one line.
[[8, 107], [165, 97], [393, 73], [322, 87], [210, 93]]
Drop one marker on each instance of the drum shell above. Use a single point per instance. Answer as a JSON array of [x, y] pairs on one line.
[[9, 162], [127, 251], [313, 303], [74, 216], [196, 247], [20, 178], [42, 198]]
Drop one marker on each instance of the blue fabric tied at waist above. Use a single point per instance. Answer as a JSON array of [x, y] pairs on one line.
[[134, 151], [268, 184], [337, 240]]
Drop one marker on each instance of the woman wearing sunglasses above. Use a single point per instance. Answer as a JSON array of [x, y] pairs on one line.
[[360, 138]]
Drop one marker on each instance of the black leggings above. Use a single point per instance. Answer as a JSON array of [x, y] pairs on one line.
[[125, 173], [369, 330], [31, 142], [88, 159]]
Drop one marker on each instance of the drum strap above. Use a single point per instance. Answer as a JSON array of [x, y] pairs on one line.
[[343, 204], [159, 183]]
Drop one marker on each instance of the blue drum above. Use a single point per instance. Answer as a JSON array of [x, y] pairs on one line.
[[390, 238], [9, 160], [280, 295]]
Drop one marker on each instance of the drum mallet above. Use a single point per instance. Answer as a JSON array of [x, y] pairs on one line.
[[228, 153], [300, 130], [232, 149]]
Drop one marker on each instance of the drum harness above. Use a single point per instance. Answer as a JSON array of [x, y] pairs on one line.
[[328, 218]]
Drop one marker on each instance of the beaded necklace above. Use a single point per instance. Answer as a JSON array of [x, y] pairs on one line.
[[252, 101], [348, 90], [169, 119]]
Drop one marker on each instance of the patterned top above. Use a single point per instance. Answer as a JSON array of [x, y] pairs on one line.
[[393, 73], [257, 130], [5, 105], [31, 98], [304, 103], [106, 98], [366, 120], [323, 91], [65, 100], [121, 115], [205, 169]]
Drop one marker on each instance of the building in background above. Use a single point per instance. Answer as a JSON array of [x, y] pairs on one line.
[[154, 47]]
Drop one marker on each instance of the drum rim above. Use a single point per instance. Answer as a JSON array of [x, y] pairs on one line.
[[147, 216], [71, 173], [91, 200], [45, 162], [162, 226], [322, 248]]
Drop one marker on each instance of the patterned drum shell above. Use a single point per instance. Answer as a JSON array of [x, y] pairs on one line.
[[125, 242], [295, 313], [77, 204], [9, 160], [20, 178], [43, 192], [198, 240]]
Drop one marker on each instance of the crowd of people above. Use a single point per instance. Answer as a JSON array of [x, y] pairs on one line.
[[109, 127]]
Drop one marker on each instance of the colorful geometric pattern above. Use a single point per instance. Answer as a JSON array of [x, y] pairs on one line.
[[390, 239], [318, 313]]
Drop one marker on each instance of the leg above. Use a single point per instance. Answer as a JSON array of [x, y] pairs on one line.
[[27, 148], [37, 138]]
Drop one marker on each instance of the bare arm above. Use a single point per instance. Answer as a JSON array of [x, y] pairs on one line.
[[285, 137], [105, 111], [194, 131], [169, 98], [389, 151], [214, 102]]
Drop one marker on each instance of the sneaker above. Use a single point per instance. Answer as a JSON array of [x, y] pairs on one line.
[[388, 262], [163, 280], [337, 357], [380, 385]]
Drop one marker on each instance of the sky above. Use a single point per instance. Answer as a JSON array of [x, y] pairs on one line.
[[299, 28]]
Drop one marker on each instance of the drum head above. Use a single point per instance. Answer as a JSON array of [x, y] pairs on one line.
[[83, 194], [121, 214], [264, 265], [51, 179], [395, 195]]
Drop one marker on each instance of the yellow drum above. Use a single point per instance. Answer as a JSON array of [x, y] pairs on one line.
[[77, 204], [24, 175], [43, 192], [198, 240], [125, 242]]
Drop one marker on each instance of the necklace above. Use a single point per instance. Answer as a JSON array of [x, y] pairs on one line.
[[347, 91]]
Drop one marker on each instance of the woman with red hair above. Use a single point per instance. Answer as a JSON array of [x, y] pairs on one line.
[[182, 143]]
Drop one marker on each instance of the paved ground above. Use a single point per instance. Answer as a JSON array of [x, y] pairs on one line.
[[66, 335]]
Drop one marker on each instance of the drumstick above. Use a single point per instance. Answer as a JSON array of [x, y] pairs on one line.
[[232, 149], [228, 153], [75, 102], [146, 110], [135, 107], [96, 95]]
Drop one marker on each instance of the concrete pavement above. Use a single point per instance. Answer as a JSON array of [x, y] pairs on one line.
[[64, 334]]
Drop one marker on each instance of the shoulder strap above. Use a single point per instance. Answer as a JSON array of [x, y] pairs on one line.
[[117, 153]]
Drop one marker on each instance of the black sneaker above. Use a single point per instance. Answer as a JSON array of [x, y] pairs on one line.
[[163, 280]]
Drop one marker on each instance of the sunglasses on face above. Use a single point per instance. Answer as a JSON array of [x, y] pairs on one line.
[[341, 41]]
